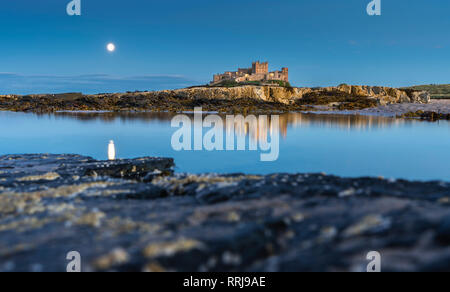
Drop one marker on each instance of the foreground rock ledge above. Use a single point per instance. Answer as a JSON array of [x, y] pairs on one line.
[[135, 215]]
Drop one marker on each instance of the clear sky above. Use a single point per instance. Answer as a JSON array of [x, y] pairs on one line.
[[174, 43]]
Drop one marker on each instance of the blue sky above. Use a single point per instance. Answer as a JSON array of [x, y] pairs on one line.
[[175, 43]]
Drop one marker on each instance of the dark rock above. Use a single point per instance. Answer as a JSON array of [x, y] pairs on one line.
[[443, 232], [135, 215], [427, 115]]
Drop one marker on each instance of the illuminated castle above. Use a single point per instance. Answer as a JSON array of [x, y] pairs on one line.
[[258, 72]]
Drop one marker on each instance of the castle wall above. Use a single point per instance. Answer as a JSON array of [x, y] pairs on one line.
[[258, 72]]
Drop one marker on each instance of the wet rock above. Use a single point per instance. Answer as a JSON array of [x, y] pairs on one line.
[[135, 215], [137, 169], [31, 168]]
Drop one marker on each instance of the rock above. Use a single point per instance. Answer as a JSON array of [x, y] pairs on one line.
[[420, 97], [284, 95], [29, 168], [427, 115], [116, 257], [223, 99], [443, 232], [372, 223], [135, 215]]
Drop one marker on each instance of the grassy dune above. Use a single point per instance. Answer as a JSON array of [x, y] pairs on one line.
[[437, 91]]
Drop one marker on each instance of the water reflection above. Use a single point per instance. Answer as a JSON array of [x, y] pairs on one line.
[[335, 144], [111, 151], [255, 131]]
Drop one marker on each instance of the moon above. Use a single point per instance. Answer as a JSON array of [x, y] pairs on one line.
[[111, 47]]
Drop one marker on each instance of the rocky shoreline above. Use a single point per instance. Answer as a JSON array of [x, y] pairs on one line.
[[433, 111], [427, 115], [242, 99], [136, 215]]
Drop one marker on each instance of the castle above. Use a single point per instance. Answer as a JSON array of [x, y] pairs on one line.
[[258, 72]]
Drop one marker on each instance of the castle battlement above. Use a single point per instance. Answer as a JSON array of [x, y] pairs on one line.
[[258, 72]]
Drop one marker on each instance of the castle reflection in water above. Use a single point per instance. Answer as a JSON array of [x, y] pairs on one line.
[[258, 131]]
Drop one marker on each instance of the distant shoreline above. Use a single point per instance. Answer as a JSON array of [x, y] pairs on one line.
[[437, 91], [396, 110], [248, 99]]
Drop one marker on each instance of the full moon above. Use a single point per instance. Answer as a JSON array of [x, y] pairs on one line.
[[111, 47]]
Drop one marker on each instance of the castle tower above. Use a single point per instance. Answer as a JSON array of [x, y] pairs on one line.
[[285, 74], [260, 68]]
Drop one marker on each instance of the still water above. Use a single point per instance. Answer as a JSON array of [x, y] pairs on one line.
[[342, 145]]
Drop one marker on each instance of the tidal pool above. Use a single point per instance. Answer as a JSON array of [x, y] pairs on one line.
[[351, 146]]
